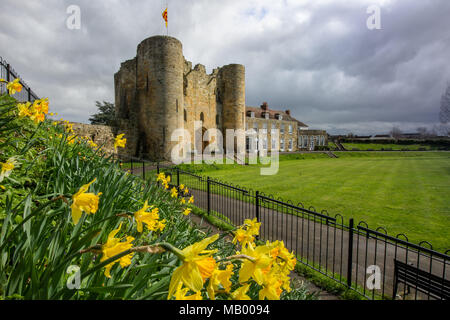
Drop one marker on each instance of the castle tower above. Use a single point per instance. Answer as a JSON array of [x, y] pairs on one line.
[[160, 66], [232, 86]]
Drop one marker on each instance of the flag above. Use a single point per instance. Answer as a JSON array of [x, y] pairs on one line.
[[164, 15]]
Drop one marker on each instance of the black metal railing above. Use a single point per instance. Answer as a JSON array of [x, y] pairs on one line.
[[354, 255], [9, 74]]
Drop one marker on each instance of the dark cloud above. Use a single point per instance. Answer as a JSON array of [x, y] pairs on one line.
[[316, 58]]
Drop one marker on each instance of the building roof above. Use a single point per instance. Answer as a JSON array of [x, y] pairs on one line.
[[272, 113]]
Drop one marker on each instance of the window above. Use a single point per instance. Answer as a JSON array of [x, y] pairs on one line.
[[264, 144], [255, 126], [264, 128], [290, 128], [290, 144], [282, 128], [274, 144], [252, 114], [282, 145]]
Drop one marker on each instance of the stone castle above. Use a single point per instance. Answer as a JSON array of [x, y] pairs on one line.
[[159, 91]]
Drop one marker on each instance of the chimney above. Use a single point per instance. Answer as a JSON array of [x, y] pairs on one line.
[[264, 106], [288, 112]]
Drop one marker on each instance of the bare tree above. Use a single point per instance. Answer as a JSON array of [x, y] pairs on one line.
[[444, 115], [396, 132]]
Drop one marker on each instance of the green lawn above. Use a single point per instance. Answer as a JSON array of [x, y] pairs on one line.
[[404, 192]]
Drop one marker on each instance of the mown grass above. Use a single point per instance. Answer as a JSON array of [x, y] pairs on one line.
[[405, 192]]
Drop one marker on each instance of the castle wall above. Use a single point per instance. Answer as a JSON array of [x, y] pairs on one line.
[[103, 136], [200, 98]]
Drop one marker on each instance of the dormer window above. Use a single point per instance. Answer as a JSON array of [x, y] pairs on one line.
[[250, 114], [266, 115], [279, 116]]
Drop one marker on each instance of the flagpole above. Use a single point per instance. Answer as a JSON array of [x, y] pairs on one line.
[[167, 7]]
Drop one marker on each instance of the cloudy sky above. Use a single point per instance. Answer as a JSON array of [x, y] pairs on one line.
[[315, 57]]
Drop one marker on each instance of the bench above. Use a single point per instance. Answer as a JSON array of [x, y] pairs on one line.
[[423, 281]]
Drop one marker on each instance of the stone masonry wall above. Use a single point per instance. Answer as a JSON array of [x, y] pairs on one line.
[[101, 135]]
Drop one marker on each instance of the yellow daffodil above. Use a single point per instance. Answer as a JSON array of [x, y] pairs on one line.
[[119, 142], [113, 247], [186, 191], [180, 294], [37, 117], [191, 200], [253, 226], [161, 177], [24, 110], [220, 277], [187, 211], [271, 289], [14, 86], [43, 106], [69, 127], [183, 201], [161, 224], [198, 265], [7, 168], [82, 201], [92, 144], [174, 193], [259, 267], [241, 293], [149, 218], [243, 237], [71, 139], [2, 187]]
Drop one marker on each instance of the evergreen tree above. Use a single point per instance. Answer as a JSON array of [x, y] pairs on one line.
[[106, 115]]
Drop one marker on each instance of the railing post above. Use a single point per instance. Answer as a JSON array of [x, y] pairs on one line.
[[350, 252], [178, 177], [143, 169], [157, 167], [8, 73], [257, 209], [257, 205], [208, 189], [29, 94], [131, 158]]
